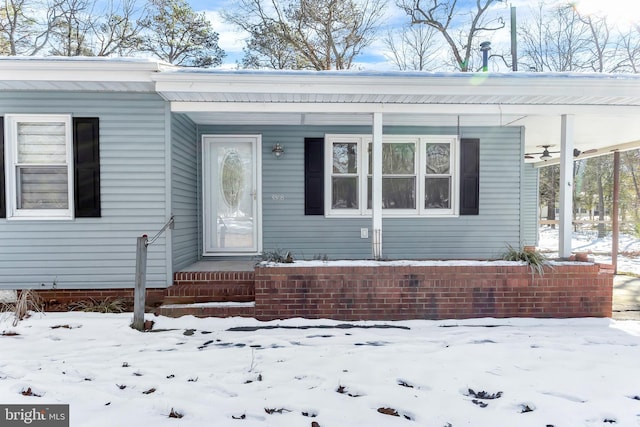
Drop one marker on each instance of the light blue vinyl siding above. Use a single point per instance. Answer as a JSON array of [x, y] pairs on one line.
[[466, 237], [97, 252], [530, 206], [184, 191]]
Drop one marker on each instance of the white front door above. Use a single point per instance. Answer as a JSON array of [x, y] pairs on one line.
[[231, 194]]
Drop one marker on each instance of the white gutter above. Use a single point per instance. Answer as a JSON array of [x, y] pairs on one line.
[[79, 69], [432, 108], [468, 85]]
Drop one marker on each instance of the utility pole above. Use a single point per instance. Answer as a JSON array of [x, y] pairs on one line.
[[514, 42]]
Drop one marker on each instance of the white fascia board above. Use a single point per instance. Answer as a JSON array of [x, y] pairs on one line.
[[469, 85], [79, 70], [451, 109]]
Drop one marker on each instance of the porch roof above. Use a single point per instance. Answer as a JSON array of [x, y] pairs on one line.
[[605, 106]]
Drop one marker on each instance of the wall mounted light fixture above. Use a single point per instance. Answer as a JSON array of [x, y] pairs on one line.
[[278, 150]]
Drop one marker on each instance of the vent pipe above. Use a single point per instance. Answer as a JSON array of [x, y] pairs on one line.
[[485, 47]]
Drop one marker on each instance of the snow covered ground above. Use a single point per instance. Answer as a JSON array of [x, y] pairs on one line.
[[481, 372], [242, 372], [588, 241]]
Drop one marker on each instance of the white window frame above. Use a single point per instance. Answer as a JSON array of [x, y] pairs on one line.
[[454, 171], [11, 166], [362, 142]]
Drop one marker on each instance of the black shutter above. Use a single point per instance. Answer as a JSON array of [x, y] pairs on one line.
[[86, 157], [314, 176], [3, 206], [469, 176]]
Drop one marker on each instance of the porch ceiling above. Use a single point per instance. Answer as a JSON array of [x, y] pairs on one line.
[[605, 107]]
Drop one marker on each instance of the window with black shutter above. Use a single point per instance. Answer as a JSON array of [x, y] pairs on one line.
[[314, 176], [55, 167], [86, 157], [469, 176]]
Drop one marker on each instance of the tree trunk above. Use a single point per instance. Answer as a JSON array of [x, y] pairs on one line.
[[551, 209], [630, 160], [602, 229]]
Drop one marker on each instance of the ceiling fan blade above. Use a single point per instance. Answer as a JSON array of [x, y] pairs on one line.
[[577, 152]]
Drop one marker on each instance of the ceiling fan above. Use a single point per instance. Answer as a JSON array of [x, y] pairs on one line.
[[546, 154]]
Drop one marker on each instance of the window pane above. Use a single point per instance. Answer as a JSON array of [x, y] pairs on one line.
[[42, 188], [438, 156], [41, 143], [345, 158], [344, 193], [437, 193], [397, 193], [398, 158]]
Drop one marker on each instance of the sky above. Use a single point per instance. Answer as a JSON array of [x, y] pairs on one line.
[[231, 40]]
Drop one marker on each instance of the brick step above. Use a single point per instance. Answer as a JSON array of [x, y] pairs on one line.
[[208, 309], [201, 287], [206, 297]]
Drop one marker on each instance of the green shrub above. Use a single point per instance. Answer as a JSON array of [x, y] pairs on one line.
[[533, 258], [278, 255], [106, 305]]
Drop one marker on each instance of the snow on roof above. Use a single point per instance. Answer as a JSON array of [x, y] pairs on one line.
[[409, 74]]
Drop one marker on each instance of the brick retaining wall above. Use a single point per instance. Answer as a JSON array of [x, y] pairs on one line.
[[433, 292], [384, 292], [59, 299], [188, 287]]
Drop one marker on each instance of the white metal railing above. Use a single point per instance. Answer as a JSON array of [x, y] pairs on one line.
[[141, 274]]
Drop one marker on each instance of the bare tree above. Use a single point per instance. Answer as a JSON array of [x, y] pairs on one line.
[[118, 32], [560, 38], [628, 51], [598, 182], [459, 25], [413, 47], [632, 160], [173, 32], [72, 29], [555, 40], [265, 49], [23, 30], [324, 34]]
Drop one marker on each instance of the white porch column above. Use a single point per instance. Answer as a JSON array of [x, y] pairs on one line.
[[566, 185], [376, 183]]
